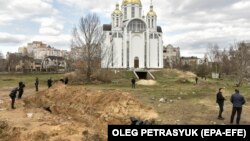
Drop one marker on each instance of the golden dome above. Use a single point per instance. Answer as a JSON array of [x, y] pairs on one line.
[[117, 10], [151, 12], [125, 2]]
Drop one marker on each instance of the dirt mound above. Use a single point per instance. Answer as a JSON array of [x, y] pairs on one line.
[[94, 108], [146, 82], [181, 74]]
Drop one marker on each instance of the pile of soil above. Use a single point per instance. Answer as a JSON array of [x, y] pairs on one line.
[[146, 82], [94, 108]]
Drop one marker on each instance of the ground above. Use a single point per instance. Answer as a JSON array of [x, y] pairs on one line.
[[81, 112]]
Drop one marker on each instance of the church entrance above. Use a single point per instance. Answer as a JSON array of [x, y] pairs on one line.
[[136, 62]]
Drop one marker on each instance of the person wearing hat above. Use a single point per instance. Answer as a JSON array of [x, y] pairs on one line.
[[13, 97], [238, 101], [220, 100]]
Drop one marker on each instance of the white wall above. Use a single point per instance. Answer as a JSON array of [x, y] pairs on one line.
[[153, 53], [138, 44]]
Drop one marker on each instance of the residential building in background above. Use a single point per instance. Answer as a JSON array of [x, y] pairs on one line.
[[132, 39], [39, 50], [171, 56]]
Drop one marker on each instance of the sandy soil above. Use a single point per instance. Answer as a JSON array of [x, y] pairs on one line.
[[78, 113], [82, 113]]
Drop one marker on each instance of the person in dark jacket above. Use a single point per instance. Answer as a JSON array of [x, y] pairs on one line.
[[220, 100], [66, 81], [133, 82], [62, 80], [13, 97], [21, 89], [49, 82], [196, 80], [238, 101], [36, 84]]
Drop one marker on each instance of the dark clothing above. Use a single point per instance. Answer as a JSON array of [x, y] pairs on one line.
[[13, 97], [234, 110], [62, 80], [237, 101], [196, 80], [133, 83], [221, 109], [36, 84], [220, 100], [49, 83], [66, 81], [21, 89]]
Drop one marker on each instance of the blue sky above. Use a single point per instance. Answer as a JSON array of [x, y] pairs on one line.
[[189, 24]]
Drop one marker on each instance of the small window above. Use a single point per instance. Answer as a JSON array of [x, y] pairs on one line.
[[151, 36], [133, 12], [125, 13], [155, 36], [115, 35], [120, 35]]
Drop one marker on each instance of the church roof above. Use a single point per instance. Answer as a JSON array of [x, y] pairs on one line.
[[159, 29], [151, 12], [126, 2], [117, 10], [107, 27]]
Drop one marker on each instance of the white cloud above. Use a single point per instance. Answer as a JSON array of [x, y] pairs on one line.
[[189, 24], [241, 5], [50, 26], [6, 38], [23, 9]]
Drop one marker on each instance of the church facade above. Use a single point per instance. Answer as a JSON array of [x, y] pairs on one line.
[[132, 40]]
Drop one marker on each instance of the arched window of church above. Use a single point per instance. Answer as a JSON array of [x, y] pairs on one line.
[[137, 25], [117, 22], [133, 12], [125, 13], [152, 23]]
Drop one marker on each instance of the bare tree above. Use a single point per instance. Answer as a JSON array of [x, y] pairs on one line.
[[12, 61], [214, 56], [1, 55], [88, 35], [2, 62], [240, 58]]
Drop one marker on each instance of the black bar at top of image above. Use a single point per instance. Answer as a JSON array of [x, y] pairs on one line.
[[176, 132]]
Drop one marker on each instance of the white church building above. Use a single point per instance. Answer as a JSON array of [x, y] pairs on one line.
[[132, 40]]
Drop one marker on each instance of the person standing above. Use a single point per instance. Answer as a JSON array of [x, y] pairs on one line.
[[66, 81], [238, 101], [133, 82], [49, 82], [21, 89], [36, 84], [13, 97], [220, 100], [196, 80]]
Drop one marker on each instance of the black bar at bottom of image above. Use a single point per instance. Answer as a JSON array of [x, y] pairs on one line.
[[190, 132]]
